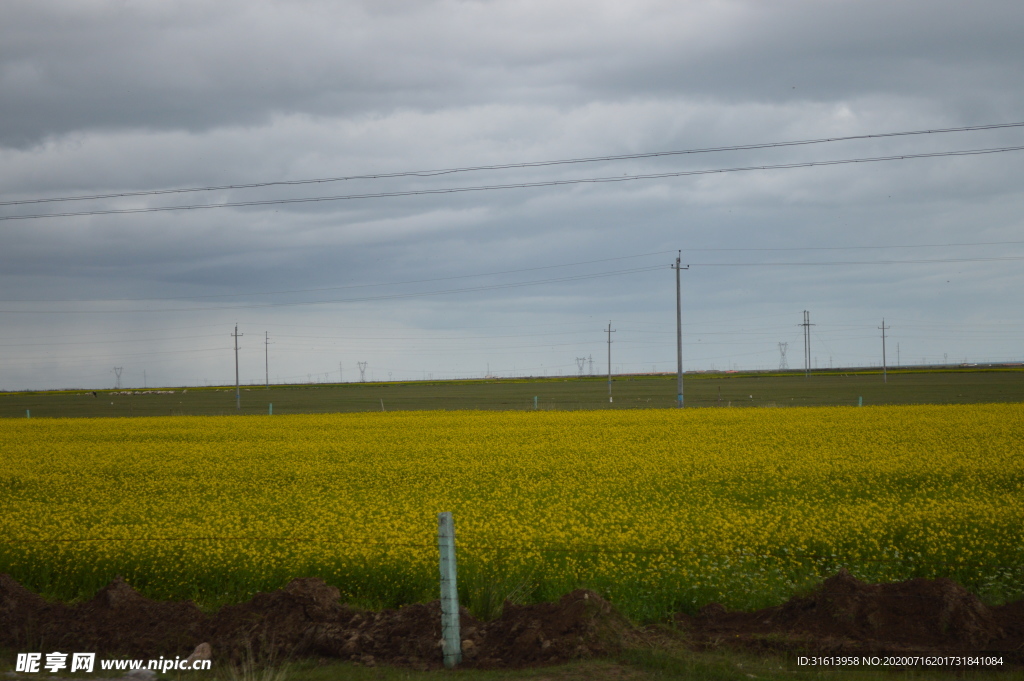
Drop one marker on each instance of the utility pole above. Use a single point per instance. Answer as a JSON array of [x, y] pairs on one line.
[[883, 327], [610, 332], [807, 343], [897, 354], [238, 392], [679, 332], [266, 358]]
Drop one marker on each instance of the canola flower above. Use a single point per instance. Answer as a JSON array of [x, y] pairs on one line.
[[660, 510]]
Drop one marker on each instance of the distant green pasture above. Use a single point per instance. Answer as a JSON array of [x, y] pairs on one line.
[[957, 386]]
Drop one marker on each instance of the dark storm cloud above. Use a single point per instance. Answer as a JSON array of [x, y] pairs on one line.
[[195, 66]]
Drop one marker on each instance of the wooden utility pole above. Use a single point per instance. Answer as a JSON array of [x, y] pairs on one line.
[[807, 343], [679, 333], [266, 357], [610, 332], [885, 376], [238, 391]]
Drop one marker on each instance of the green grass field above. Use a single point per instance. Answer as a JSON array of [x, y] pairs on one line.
[[954, 386]]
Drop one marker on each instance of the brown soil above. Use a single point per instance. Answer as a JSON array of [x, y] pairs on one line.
[[846, 616], [305, 619]]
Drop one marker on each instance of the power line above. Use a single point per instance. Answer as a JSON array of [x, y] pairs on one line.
[[578, 332], [102, 342], [395, 296], [192, 352], [856, 248], [573, 264], [518, 185], [350, 286], [493, 287], [506, 166], [922, 261], [146, 330]]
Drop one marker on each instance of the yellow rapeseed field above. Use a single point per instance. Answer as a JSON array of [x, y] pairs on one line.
[[658, 509]]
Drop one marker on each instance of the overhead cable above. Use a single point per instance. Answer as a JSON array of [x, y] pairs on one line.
[[517, 185], [394, 296], [506, 166]]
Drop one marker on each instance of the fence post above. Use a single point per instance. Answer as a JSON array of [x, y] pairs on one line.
[[534, 402], [452, 643], [271, 412], [28, 414]]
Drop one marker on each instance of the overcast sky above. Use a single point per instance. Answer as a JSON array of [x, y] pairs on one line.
[[103, 97]]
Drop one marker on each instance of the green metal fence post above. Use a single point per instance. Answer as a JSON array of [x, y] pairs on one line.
[[452, 643]]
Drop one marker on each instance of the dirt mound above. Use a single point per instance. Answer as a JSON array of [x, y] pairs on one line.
[[581, 624], [1010, 619], [843, 616], [117, 618], [848, 616], [306, 619]]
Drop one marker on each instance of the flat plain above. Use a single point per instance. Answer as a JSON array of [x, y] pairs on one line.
[[840, 388]]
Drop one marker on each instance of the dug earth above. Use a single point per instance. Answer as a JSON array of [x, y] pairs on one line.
[[306, 619]]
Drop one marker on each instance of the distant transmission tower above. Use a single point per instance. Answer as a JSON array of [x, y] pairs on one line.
[[581, 362], [783, 364], [590, 358], [362, 371], [117, 373]]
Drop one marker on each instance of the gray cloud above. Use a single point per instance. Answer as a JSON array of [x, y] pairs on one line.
[[121, 96], [196, 66]]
